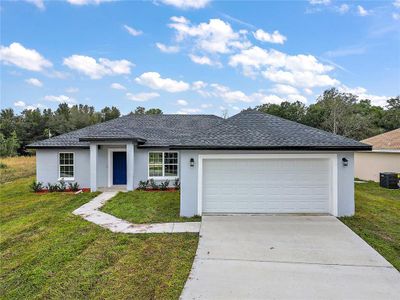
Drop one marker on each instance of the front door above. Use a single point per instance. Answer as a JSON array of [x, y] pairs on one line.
[[119, 168]]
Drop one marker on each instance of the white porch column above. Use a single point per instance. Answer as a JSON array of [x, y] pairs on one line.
[[130, 152], [93, 167]]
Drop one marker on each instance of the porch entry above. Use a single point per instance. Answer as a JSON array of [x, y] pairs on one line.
[[119, 168]]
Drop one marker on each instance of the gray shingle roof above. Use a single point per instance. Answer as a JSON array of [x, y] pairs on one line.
[[246, 130], [154, 130], [256, 130]]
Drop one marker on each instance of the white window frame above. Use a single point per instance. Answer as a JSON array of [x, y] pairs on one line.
[[59, 166], [163, 177]]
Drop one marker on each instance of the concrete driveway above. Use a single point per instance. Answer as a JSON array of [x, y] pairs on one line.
[[287, 257]]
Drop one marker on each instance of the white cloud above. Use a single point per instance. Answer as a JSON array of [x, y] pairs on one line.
[[284, 89], [167, 49], [22, 105], [318, 2], [363, 94], [155, 81], [38, 3], [19, 103], [181, 102], [206, 105], [396, 16], [72, 90], [308, 91], [87, 2], [28, 59], [343, 8], [95, 70], [133, 31], [60, 99], [34, 82], [187, 4], [185, 111], [296, 70], [203, 60], [198, 85], [117, 86], [141, 97], [362, 11], [306, 79], [396, 3], [229, 96], [216, 36], [275, 37]]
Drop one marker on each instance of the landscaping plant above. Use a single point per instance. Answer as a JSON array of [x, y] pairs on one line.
[[143, 185], [73, 186], [177, 184], [62, 186], [164, 185], [36, 186], [153, 184]]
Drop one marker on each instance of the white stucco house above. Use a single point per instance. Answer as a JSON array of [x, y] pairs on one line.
[[249, 163]]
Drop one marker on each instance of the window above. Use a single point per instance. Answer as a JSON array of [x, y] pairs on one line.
[[163, 164], [66, 165]]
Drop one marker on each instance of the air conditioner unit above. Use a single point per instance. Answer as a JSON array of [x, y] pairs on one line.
[[389, 180]]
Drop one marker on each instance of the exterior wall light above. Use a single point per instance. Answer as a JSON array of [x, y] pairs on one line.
[[345, 162], [192, 162]]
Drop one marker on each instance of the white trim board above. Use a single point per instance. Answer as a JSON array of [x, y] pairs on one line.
[[333, 198], [110, 163]]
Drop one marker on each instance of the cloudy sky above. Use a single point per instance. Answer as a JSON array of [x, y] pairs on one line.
[[196, 56]]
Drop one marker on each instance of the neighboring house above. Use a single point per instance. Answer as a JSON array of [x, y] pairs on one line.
[[249, 163], [385, 156]]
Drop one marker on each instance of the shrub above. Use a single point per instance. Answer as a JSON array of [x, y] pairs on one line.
[[62, 186], [153, 184], [143, 185], [164, 185], [52, 187], [177, 184], [36, 186], [73, 186], [3, 165]]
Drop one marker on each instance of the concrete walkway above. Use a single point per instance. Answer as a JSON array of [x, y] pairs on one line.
[[90, 212], [287, 257]]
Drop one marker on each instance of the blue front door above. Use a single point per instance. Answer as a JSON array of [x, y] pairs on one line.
[[119, 168]]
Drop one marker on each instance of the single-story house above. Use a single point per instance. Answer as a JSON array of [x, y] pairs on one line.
[[249, 163], [384, 157]]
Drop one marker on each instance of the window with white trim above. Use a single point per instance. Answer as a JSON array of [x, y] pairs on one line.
[[163, 164], [66, 165]]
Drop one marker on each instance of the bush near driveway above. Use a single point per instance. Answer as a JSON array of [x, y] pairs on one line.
[[48, 253], [147, 207], [377, 219]]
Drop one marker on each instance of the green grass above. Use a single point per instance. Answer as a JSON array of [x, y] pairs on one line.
[[377, 219], [48, 253], [147, 207]]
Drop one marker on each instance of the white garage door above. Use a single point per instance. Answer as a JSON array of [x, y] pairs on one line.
[[266, 186]]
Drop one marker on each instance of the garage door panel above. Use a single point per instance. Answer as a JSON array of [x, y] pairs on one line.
[[266, 185]]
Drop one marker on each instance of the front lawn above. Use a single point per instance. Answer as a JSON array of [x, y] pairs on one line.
[[377, 219], [147, 207], [48, 253]]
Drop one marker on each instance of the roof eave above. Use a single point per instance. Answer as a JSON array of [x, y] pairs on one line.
[[57, 147], [270, 148], [104, 139]]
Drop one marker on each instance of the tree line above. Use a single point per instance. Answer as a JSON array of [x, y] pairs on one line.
[[19, 130], [334, 111], [341, 113]]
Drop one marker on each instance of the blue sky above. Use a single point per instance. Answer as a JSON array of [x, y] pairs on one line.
[[196, 56]]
